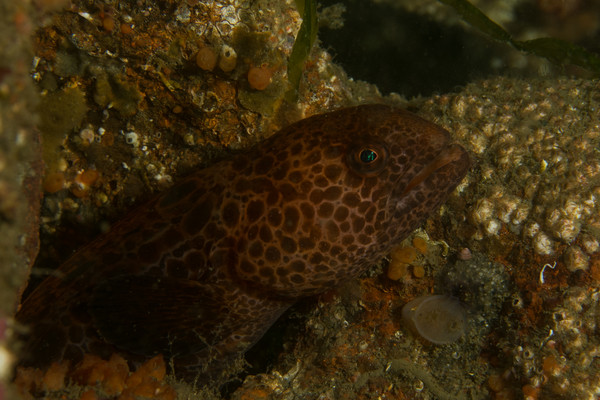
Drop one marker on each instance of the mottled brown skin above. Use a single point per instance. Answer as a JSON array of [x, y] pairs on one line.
[[201, 271]]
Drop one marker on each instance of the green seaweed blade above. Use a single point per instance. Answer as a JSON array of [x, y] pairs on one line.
[[302, 46], [557, 51], [478, 19]]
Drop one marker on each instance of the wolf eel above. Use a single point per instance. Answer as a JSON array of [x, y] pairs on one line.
[[201, 271]]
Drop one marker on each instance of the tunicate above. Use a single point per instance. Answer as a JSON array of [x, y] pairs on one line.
[[437, 318]]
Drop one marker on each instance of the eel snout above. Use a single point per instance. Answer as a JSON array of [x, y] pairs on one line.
[[451, 161]]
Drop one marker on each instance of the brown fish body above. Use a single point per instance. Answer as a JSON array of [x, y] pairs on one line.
[[201, 271]]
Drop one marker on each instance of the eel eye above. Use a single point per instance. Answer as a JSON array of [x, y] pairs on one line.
[[368, 157]]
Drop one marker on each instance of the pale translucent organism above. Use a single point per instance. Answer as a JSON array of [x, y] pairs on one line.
[[437, 318]]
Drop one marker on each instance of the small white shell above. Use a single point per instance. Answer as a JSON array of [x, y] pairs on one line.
[[227, 59]]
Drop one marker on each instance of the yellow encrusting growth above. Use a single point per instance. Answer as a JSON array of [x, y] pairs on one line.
[[99, 378]]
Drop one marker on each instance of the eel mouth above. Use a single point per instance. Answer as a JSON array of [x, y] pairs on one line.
[[455, 155]]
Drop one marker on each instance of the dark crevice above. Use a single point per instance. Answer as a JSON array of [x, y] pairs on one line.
[[407, 53]]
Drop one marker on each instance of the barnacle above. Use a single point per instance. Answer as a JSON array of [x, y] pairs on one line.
[[227, 59]]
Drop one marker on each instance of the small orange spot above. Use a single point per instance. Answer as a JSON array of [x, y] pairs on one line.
[[53, 182], [27, 380], [83, 181], [504, 394], [387, 329], [90, 370], [87, 177], [146, 389], [530, 392], [495, 382], [79, 192], [154, 368], [166, 393], [255, 394], [259, 78], [404, 254], [126, 29], [418, 271], [550, 365], [108, 139], [225, 91], [108, 23], [88, 395], [54, 378], [142, 41], [397, 270], [420, 244], [116, 374], [206, 58]]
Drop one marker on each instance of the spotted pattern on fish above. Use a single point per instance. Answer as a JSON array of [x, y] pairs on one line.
[[202, 270]]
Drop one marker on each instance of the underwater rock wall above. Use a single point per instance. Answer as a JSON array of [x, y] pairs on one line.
[[137, 96], [517, 243]]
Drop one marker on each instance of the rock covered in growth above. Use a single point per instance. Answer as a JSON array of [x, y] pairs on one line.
[[525, 336], [533, 202], [538, 174]]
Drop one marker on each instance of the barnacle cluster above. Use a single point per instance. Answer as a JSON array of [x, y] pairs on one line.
[[569, 357], [538, 173], [561, 362]]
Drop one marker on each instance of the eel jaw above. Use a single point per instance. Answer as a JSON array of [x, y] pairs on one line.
[[445, 157]]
